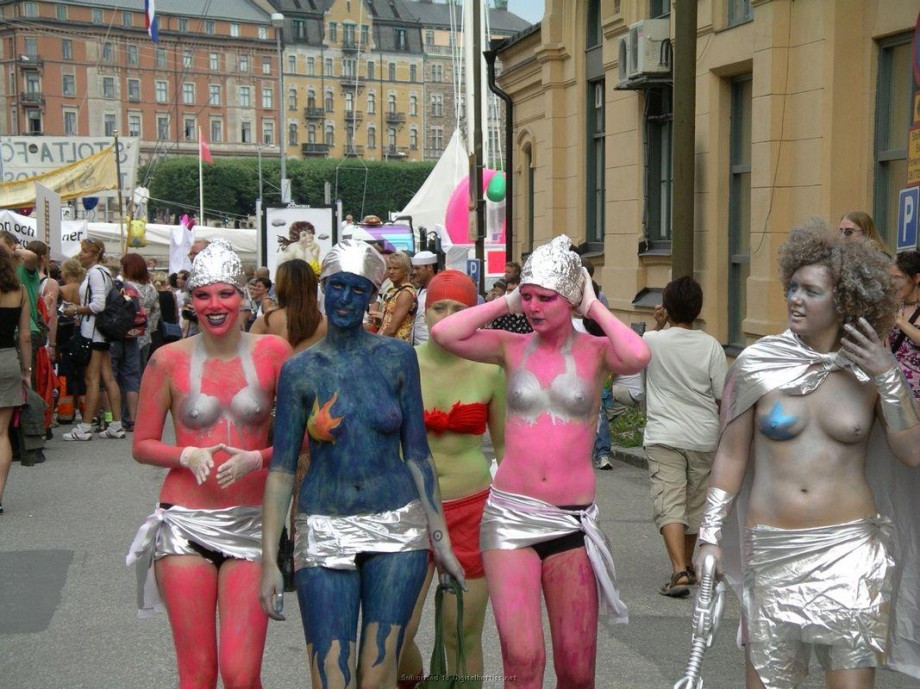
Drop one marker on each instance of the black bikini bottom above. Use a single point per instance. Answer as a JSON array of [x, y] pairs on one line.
[[570, 541], [215, 557]]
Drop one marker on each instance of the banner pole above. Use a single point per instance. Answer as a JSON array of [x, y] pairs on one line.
[[121, 211]]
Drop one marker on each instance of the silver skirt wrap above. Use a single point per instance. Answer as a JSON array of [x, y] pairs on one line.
[[232, 531], [513, 521], [333, 542], [827, 585]]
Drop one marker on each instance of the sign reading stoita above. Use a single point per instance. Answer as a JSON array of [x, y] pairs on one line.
[[27, 156]]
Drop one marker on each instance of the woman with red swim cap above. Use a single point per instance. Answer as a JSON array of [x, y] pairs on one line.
[[461, 398]]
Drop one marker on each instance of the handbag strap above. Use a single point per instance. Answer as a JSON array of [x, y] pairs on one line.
[[899, 340], [438, 665]]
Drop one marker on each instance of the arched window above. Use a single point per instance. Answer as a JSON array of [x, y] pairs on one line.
[[330, 135], [371, 137], [413, 139]]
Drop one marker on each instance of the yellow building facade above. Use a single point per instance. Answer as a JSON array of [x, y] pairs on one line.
[[802, 109]]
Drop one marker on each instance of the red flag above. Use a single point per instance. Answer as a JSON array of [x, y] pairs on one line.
[[204, 150]]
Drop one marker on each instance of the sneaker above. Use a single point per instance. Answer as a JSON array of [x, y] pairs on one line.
[[603, 463], [113, 432], [79, 433]]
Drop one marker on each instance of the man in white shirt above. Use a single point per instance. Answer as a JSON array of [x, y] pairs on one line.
[[424, 267], [683, 385]]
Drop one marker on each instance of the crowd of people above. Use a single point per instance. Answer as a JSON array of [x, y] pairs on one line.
[[789, 467]]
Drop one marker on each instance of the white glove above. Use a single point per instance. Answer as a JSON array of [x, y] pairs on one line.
[[513, 301], [241, 462], [588, 297], [199, 460]]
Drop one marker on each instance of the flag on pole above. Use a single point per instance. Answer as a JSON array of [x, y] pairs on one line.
[[204, 150], [151, 21]]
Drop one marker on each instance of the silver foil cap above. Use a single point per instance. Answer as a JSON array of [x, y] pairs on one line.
[[217, 262], [356, 257], [555, 266]]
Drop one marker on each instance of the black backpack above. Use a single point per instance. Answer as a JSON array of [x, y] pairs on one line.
[[117, 319]]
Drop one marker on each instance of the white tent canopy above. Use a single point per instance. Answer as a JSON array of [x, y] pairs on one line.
[[244, 242], [429, 205]]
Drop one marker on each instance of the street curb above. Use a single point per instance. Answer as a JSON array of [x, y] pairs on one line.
[[634, 456]]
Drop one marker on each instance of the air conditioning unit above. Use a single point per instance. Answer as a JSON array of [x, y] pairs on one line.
[[648, 48]]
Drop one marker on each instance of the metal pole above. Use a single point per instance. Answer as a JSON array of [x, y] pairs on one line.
[[278, 23], [684, 100], [490, 56], [476, 162], [121, 213]]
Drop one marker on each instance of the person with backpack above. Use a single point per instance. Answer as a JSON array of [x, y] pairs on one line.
[[93, 293]]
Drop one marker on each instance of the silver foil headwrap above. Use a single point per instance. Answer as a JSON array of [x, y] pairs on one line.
[[217, 262], [555, 266], [356, 257]]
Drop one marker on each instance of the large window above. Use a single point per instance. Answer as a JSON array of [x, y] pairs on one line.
[[292, 99], [437, 105], [244, 63], [69, 84], [134, 90], [187, 59], [268, 132], [188, 93], [596, 162], [161, 57], [268, 97], [739, 207], [67, 49], [109, 123], [108, 87], [162, 127], [593, 27], [392, 70], [134, 124], [245, 96], [892, 119], [292, 134], [246, 132], [213, 62], [160, 89], [214, 94], [739, 12], [133, 59], [659, 170], [217, 131], [70, 122]]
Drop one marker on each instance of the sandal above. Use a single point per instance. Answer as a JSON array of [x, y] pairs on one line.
[[673, 589], [691, 575]]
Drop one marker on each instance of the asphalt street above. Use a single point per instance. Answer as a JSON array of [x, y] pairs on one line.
[[67, 600]]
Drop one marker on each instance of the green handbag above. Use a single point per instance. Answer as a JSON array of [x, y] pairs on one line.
[[438, 677]]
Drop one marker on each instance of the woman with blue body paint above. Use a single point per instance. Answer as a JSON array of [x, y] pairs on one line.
[[369, 506]]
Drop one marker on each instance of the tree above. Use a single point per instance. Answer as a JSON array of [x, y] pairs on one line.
[[231, 184]]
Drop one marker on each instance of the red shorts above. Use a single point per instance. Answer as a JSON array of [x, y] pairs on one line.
[[463, 517]]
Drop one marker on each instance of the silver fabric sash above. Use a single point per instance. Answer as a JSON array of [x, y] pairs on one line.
[[232, 531], [827, 585], [333, 542], [513, 521]]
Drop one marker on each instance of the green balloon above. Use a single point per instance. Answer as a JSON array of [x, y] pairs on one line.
[[495, 192]]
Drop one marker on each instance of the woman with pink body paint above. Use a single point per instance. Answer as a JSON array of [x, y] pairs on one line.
[[201, 549], [539, 531]]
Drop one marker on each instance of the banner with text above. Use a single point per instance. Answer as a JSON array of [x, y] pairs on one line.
[[27, 156], [82, 178]]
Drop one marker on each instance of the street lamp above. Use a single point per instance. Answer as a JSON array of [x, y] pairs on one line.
[[278, 23]]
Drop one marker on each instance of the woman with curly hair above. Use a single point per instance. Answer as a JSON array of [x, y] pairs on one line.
[[797, 415]]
